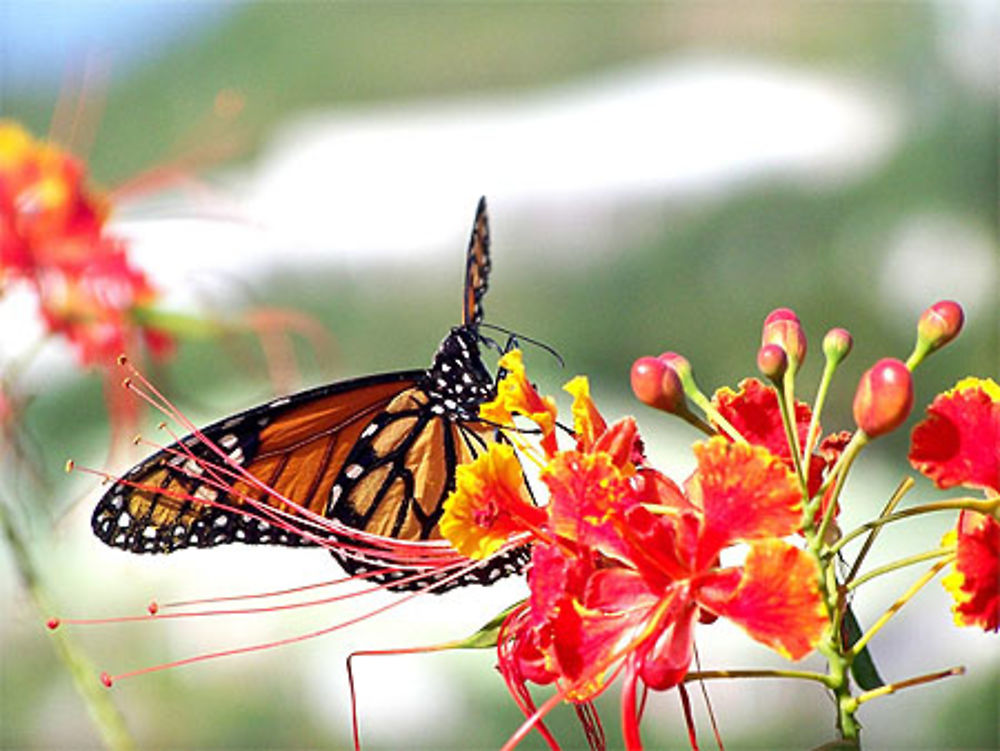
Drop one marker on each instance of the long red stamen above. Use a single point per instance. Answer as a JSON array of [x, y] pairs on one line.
[[108, 679]]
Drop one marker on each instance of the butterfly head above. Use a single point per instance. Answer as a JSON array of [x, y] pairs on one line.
[[457, 381]]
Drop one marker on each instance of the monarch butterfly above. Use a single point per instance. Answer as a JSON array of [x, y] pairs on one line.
[[366, 465]]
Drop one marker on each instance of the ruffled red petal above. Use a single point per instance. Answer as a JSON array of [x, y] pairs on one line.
[[745, 492], [776, 600], [753, 410], [975, 583], [959, 441]]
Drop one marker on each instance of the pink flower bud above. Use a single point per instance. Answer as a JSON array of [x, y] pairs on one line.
[[656, 384], [884, 397], [782, 327], [940, 323], [837, 345], [772, 361]]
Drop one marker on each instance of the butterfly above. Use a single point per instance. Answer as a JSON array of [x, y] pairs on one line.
[[367, 462]]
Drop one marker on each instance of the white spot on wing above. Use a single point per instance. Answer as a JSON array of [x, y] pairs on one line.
[[193, 469], [205, 493]]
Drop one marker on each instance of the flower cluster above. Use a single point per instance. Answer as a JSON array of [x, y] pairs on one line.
[[626, 562], [54, 238], [958, 444]]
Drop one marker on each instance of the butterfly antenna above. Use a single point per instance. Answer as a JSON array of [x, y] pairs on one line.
[[513, 337]]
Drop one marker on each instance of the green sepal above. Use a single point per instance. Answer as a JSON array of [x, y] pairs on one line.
[[179, 324], [862, 666], [487, 636]]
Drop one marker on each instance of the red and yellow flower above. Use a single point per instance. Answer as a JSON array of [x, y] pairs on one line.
[[54, 237], [958, 444], [626, 562]]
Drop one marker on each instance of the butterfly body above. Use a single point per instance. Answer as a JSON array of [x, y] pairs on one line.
[[361, 467]]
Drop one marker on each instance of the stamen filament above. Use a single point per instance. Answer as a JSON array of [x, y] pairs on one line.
[[986, 506], [897, 606], [896, 565], [919, 680], [901, 490]]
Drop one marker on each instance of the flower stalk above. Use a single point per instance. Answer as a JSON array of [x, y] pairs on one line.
[[107, 719]]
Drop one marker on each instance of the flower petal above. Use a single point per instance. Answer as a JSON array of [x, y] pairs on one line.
[[588, 424], [586, 490], [959, 441], [753, 410], [516, 395], [490, 503], [745, 492], [776, 599], [975, 582]]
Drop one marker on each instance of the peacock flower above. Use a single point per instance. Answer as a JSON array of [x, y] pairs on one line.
[[516, 395], [974, 582], [625, 562], [54, 238], [490, 504], [958, 444], [753, 410]]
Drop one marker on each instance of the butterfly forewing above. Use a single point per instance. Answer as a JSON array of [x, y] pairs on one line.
[[188, 495], [477, 268]]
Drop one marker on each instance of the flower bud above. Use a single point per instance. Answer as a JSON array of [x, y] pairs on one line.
[[884, 397], [656, 384], [940, 323], [678, 363], [772, 362], [782, 327], [837, 345]]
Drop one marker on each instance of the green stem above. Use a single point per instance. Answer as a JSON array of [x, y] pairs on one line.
[[854, 446], [786, 405], [921, 349], [896, 565], [103, 712], [706, 406], [813, 433], [986, 506], [692, 419]]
